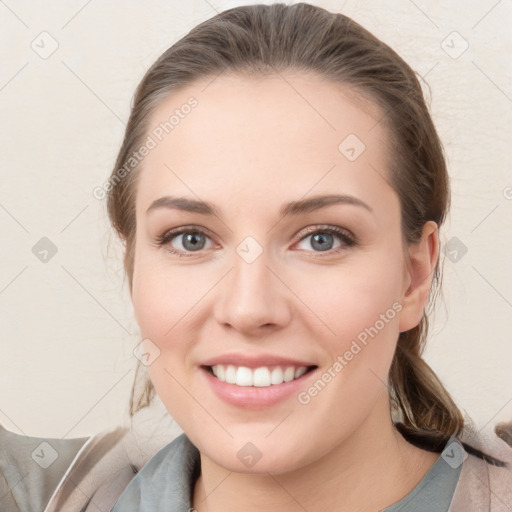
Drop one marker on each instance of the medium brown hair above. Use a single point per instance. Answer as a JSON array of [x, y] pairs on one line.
[[256, 40]]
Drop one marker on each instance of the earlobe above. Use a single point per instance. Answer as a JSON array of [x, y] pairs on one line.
[[421, 265]]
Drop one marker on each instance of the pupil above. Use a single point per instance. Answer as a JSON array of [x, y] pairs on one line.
[[319, 241], [192, 239]]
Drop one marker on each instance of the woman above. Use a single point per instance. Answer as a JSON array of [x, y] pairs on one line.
[[280, 190], [281, 247]]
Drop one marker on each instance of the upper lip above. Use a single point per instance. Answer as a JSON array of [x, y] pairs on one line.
[[255, 361]]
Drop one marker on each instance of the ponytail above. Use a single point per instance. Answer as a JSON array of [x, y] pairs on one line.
[[428, 414]]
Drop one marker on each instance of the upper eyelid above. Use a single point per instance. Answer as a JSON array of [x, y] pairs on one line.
[[326, 227], [174, 232]]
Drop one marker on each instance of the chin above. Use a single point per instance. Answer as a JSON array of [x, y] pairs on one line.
[[251, 454]]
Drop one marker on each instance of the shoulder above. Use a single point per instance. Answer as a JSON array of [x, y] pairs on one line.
[[67, 475], [31, 468], [102, 469], [482, 486], [109, 461], [485, 483]]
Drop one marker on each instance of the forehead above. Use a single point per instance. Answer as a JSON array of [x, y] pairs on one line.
[[274, 134]]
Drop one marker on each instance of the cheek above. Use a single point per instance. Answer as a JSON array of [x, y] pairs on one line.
[[163, 309], [159, 303], [172, 305], [359, 331], [164, 297], [356, 320], [349, 301]]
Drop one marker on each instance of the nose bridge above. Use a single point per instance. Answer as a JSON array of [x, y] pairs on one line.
[[251, 296]]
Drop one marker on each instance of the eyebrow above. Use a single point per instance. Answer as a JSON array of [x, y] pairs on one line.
[[290, 208]]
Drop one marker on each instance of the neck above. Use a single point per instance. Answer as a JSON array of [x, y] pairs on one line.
[[372, 469]]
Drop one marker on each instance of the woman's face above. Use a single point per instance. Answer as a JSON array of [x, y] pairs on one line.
[[276, 280]]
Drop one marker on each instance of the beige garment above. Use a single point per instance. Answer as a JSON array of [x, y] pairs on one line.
[[483, 487], [87, 473], [31, 467], [109, 460]]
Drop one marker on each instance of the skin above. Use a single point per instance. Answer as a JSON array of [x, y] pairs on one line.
[[249, 146]]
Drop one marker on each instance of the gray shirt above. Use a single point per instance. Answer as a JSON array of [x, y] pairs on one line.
[[166, 482]]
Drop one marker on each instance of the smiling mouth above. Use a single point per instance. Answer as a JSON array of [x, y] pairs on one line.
[[264, 376]]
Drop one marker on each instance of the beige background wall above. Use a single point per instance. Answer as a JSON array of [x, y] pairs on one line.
[[66, 326]]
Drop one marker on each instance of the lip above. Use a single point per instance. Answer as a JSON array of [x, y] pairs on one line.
[[255, 361], [252, 397]]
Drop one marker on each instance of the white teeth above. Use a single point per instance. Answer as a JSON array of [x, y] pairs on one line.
[[230, 374], [277, 376], [221, 372], [300, 371], [259, 377], [289, 374], [243, 376]]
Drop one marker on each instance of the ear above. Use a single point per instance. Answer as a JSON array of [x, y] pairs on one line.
[[421, 260]]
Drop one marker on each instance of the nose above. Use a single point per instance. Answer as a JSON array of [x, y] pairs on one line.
[[252, 298]]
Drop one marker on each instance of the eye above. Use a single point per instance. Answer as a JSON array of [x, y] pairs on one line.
[[323, 238], [184, 241]]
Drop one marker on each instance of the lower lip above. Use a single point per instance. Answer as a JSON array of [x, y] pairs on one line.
[[252, 397]]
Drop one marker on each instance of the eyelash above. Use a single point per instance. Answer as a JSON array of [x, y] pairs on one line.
[[345, 237]]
